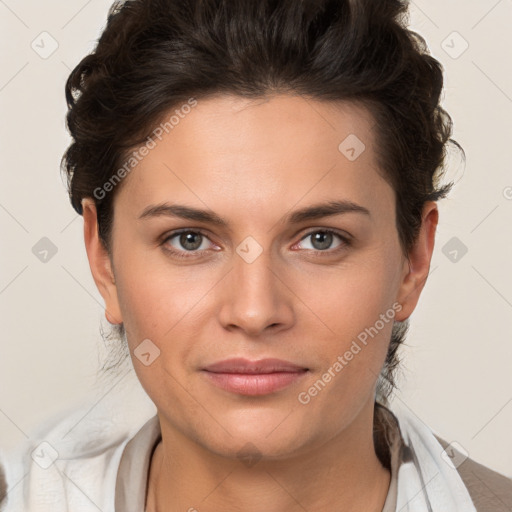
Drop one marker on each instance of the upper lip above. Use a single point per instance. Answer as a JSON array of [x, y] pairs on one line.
[[246, 366]]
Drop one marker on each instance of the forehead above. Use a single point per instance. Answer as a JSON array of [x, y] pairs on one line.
[[249, 153]]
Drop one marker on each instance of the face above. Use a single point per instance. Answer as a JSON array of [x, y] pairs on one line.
[[256, 230]]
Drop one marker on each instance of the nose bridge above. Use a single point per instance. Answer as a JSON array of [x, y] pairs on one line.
[[253, 272], [255, 298]]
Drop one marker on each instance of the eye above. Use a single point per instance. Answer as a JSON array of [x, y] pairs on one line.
[[186, 241], [322, 239]]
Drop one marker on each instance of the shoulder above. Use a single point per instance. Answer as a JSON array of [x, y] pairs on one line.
[[490, 491], [69, 463]]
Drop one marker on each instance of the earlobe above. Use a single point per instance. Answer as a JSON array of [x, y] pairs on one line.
[[100, 262], [417, 266]]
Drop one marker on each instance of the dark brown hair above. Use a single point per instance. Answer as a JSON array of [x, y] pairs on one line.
[[154, 55]]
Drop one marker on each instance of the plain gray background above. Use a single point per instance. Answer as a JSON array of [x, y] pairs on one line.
[[457, 374]]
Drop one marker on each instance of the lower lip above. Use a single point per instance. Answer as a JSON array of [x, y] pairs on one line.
[[254, 384]]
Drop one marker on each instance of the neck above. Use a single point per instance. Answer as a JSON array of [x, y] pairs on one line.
[[342, 474]]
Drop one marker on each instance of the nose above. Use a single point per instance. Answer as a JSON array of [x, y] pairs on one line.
[[255, 298]]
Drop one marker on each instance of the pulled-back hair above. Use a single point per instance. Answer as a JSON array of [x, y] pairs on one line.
[[155, 55]]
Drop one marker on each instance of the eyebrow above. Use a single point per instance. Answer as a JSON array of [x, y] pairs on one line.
[[312, 212]]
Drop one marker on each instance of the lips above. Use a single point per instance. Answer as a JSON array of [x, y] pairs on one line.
[[253, 378], [245, 366]]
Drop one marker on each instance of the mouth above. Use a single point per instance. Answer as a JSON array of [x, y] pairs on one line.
[[254, 378]]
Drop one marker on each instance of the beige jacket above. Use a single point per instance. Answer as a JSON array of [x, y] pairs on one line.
[[489, 490]]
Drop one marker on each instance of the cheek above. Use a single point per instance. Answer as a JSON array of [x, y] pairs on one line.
[[357, 305], [360, 320], [159, 304], [171, 306], [154, 294], [354, 296]]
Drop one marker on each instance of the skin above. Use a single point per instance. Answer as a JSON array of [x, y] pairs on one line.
[[253, 163]]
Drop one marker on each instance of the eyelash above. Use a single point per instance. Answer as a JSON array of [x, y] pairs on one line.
[[346, 242]]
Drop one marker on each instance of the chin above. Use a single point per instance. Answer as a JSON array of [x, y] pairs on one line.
[[258, 434]]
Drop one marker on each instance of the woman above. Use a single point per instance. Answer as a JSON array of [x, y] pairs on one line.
[[258, 182]]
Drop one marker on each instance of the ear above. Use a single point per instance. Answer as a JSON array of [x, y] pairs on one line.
[[417, 265], [100, 262]]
